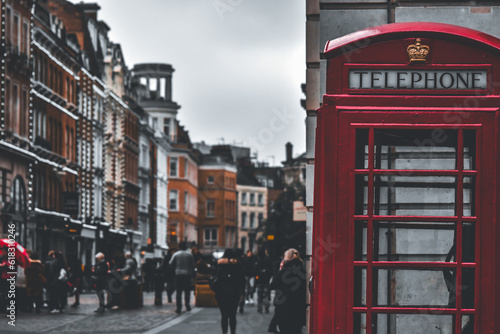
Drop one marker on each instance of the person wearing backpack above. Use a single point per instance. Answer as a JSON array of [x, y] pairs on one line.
[[263, 273], [227, 283]]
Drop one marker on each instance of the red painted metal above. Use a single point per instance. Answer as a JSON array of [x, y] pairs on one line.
[[345, 110]]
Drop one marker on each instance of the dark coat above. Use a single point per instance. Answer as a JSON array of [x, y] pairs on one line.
[[263, 271], [35, 279], [100, 274], [290, 299], [53, 268], [230, 278]]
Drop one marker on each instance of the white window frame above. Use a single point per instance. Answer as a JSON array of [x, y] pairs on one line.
[[210, 214], [244, 217], [173, 195], [175, 161], [212, 239], [243, 198]]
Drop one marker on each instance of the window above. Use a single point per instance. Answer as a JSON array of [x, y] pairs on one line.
[[173, 166], [243, 220], [260, 199], [243, 198], [252, 220], [210, 237], [155, 123], [173, 200], [210, 179], [186, 198], [166, 127], [15, 32], [25, 39], [210, 208], [252, 199], [186, 165]]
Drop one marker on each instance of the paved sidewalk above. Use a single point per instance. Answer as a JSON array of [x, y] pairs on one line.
[[84, 320], [207, 321]]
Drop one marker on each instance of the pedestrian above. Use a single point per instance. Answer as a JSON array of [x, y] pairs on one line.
[[249, 263], [240, 256], [147, 273], [183, 263], [99, 277], [129, 272], [87, 275], [263, 273], [35, 280], [227, 283], [290, 301], [62, 282], [53, 267], [169, 273], [75, 274]]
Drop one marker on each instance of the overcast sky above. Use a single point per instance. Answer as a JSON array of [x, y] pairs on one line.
[[238, 65]]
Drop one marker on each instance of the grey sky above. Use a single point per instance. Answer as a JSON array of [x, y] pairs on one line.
[[238, 65]]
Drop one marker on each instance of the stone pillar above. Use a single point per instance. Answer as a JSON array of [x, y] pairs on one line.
[[158, 88]]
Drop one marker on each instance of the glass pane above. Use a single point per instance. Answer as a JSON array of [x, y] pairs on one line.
[[467, 289], [361, 195], [412, 324], [359, 326], [359, 286], [468, 324], [415, 241], [362, 148], [414, 195], [469, 242], [413, 288], [431, 149], [470, 149], [469, 196], [360, 241]]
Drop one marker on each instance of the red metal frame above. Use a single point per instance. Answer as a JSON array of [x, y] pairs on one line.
[[345, 110]]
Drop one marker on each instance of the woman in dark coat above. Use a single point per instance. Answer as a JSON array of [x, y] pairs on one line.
[[290, 300], [228, 284], [35, 279]]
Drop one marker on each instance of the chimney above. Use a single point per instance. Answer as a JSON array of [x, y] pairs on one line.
[[289, 151]]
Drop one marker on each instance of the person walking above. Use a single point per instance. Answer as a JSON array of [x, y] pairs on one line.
[[290, 301], [227, 283], [75, 274], [62, 282], [249, 263], [35, 279], [99, 276], [53, 268], [169, 273], [183, 263], [263, 273]]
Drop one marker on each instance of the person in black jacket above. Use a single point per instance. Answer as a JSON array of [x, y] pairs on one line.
[[263, 272], [290, 300], [100, 278], [53, 268], [228, 284]]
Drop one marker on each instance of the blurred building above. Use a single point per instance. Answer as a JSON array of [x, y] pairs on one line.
[[217, 199]]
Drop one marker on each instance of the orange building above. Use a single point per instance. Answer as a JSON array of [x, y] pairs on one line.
[[182, 190], [217, 200]]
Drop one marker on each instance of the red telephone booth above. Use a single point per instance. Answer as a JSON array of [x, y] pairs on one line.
[[405, 220]]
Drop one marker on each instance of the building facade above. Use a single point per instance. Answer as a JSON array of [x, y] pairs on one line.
[[252, 213], [217, 199]]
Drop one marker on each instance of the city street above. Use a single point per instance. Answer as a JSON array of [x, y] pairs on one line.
[[149, 319]]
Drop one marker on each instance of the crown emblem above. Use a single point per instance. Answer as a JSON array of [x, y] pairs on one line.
[[417, 53]]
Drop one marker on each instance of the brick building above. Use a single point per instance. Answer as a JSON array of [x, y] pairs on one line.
[[217, 199]]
